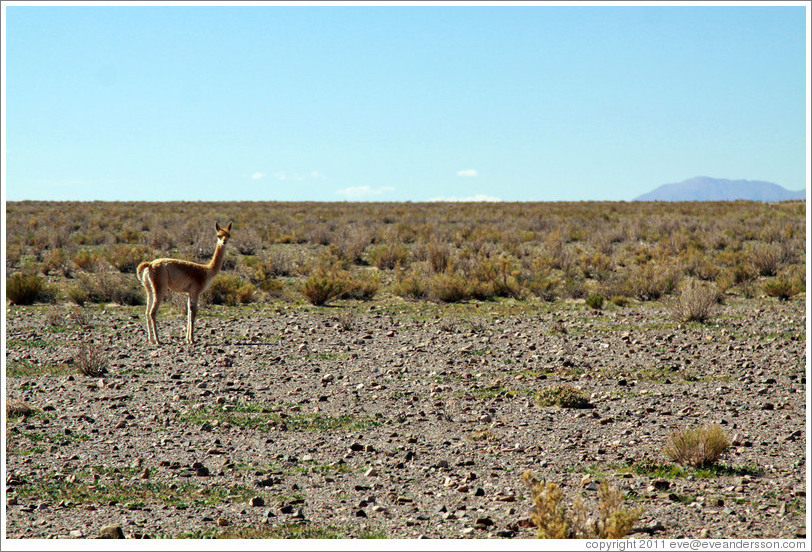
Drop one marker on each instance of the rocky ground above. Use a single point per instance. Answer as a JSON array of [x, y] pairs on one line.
[[399, 420]]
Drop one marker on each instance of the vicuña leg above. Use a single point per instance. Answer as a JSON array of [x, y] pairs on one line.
[[192, 313], [156, 296]]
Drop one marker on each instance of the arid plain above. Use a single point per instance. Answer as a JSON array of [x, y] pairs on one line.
[[379, 370]]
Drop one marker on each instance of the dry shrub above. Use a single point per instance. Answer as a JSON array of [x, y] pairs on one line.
[[249, 242], [697, 447], [27, 289], [410, 285], [107, 287], [56, 260], [564, 396], [651, 281], [553, 520], [695, 303], [87, 260], [438, 256], [766, 258], [91, 359], [126, 258], [494, 278]]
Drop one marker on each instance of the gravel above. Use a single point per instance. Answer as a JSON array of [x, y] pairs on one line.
[[417, 421]]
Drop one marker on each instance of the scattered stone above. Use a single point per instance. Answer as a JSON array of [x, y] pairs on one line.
[[111, 532], [257, 501]]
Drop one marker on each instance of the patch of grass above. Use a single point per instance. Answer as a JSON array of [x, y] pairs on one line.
[[564, 396], [266, 417], [284, 531], [86, 487], [16, 408], [27, 369], [483, 435]]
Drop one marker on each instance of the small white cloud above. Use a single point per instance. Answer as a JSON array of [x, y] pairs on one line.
[[478, 198], [468, 173], [257, 175], [317, 175], [358, 192]]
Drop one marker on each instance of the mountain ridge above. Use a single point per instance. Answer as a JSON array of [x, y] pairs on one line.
[[705, 188]]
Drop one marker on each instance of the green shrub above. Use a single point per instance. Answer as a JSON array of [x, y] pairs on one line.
[[564, 396], [228, 289], [553, 520], [595, 301], [410, 285], [448, 288], [619, 300], [698, 447], [324, 285], [781, 287], [363, 287], [389, 256], [544, 288], [26, 289]]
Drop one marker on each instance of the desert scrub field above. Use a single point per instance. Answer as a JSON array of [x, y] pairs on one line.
[[391, 371], [604, 253]]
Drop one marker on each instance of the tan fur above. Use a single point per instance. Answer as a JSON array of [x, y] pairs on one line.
[[180, 276]]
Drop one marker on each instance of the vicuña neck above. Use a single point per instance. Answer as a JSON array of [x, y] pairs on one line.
[[217, 260]]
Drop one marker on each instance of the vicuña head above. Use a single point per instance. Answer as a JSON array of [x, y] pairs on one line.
[[182, 277]]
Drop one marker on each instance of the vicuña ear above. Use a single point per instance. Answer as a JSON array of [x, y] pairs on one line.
[[217, 225], [229, 226]]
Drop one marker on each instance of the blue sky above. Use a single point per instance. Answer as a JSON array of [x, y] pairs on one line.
[[413, 103]]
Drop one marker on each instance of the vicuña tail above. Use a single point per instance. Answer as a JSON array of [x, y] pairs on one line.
[[142, 268]]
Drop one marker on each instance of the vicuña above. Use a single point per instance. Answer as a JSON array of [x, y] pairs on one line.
[[182, 277]]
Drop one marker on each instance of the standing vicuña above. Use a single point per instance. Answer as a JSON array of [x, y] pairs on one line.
[[183, 277]]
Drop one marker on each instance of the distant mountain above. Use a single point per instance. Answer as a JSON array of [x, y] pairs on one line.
[[703, 188]]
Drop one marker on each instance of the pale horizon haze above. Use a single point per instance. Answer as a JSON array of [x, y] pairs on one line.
[[526, 102]]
